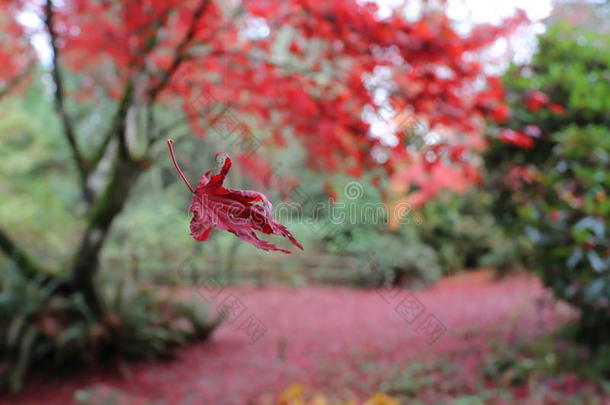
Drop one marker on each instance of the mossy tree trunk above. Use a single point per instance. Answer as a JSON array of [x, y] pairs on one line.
[[102, 214]]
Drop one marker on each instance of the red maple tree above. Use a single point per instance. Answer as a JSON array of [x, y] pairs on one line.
[[304, 67]]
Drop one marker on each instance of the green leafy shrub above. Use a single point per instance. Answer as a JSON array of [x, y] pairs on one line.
[[446, 236], [556, 192], [42, 329], [385, 256], [465, 235], [393, 258]]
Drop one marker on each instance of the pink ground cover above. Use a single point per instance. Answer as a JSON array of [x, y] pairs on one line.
[[328, 339]]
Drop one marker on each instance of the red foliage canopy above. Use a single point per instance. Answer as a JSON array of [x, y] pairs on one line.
[[16, 53], [301, 68]]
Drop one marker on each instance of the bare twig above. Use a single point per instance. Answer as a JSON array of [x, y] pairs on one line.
[[59, 96], [115, 125]]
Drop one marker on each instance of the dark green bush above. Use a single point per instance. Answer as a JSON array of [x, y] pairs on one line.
[[556, 193]]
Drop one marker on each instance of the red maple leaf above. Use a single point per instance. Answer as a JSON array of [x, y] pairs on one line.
[[557, 109], [236, 211], [501, 113], [535, 100], [516, 138]]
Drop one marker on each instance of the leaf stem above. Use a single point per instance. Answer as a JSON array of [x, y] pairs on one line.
[[170, 144]]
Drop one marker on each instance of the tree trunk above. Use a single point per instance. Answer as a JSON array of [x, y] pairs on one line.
[[103, 212]]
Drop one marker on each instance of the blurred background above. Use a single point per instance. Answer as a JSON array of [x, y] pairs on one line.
[[445, 165]]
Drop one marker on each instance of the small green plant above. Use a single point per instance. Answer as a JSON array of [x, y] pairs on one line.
[[465, 235], [549, 367], [104, 395]]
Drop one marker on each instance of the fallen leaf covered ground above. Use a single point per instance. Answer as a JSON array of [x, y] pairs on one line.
[[332, 340]]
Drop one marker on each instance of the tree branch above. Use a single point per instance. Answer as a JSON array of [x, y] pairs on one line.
[[18, 255], [59, 97], [115, 124], [127, 96], [180, 53]]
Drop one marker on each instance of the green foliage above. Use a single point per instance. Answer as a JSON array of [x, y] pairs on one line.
[[33, 172], [548, 370], [41, 329], [385, 256], [552, 359], [558, 195], [438, 382], [465, 235], [446, 236], [396, 258]]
